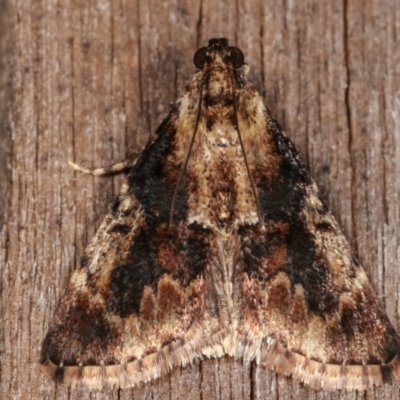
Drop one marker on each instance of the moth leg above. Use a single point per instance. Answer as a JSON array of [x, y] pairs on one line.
[[109, 169]]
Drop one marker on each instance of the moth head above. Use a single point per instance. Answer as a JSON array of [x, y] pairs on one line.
[[218, 50]]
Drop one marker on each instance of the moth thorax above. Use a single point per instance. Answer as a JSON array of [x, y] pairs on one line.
[[219, 83]]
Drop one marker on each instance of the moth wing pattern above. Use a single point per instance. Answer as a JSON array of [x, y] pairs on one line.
[[310, 310], [218, 243], [133, 307]]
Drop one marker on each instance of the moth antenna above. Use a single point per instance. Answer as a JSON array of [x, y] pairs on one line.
[[253, 186], [203, 79]]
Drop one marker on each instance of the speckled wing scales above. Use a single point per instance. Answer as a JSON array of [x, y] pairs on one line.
[[310, 311], [219, 244], [133, 309]]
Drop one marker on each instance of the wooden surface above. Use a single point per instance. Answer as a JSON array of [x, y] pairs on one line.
[[88, 80]]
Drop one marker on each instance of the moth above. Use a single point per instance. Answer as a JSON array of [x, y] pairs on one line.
[[219, 243]]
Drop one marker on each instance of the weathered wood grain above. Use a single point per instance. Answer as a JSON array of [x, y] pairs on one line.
[[88, 80]]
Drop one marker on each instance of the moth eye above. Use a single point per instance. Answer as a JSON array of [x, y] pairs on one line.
[[235, 57], [201, 57]]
